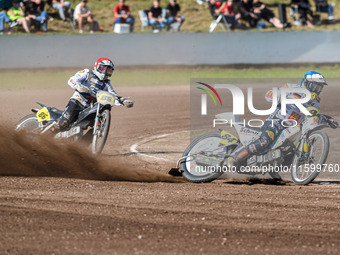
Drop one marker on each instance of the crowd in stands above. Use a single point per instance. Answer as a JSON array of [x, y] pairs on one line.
[[253, 12], [30, 13], [235, 14], [257, 15]]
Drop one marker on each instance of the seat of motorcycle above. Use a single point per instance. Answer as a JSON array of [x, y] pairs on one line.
[[57, 111]]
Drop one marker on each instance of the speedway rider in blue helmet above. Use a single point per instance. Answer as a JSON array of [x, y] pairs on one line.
[[272, 128]]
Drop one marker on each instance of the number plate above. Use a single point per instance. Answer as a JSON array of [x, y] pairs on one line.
[[43, 115], [105, 98]]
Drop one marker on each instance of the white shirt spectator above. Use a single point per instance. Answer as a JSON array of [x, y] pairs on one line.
[[80, 10]]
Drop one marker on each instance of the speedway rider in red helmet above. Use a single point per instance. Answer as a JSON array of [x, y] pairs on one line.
[[86, 83]]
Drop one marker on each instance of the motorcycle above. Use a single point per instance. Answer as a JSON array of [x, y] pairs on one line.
[[304, 155], [93, 123]]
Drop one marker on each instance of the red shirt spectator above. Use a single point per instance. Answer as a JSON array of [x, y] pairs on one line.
[[230, 9], [121, 10]]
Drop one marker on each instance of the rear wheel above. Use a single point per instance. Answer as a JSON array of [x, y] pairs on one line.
[[305, 170], [29, 123], [102, 132]]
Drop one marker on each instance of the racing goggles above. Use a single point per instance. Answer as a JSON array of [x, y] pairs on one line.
[[314, 87], [108, 70]]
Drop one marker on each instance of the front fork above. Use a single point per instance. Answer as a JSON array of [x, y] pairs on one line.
[[303, 148], [96, 121]]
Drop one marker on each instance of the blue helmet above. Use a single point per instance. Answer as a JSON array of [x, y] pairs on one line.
[[313, 81]]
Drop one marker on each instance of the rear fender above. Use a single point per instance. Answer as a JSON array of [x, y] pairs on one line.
[[54, 112], [228, 138], [42, 105]]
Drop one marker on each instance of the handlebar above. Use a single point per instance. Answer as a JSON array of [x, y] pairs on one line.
[[331, 122], [126, 101]]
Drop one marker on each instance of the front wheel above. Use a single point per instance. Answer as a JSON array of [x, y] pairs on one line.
[[305, 170], [29, 123], [102, 131], [203, 157]]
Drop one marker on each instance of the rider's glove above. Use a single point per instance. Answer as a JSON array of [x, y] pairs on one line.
[[333, 124], [82, 88], [118, 102], [126, 102]]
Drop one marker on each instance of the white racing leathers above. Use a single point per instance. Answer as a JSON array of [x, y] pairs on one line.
[[273, 126], [88, 79], [293, 115]]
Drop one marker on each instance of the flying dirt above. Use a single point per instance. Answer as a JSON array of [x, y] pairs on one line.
[[22, 154]]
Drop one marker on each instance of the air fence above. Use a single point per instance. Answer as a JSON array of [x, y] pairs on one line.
[[227, 48]]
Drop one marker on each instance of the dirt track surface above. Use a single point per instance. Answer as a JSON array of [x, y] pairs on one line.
[[63, 201]]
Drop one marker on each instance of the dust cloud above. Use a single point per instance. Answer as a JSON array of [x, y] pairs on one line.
[[24, 154]]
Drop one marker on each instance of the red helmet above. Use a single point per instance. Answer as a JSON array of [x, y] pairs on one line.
[[103, 68]]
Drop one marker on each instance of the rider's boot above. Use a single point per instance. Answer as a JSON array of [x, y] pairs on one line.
[[56, 126], [237, 156], [231, 162], [53, 128]]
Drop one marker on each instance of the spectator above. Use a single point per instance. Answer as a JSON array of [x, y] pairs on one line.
[[215, 7], [173, 13], [16, 13], [4, 18], [41, 4], [82, 14], [60, 5], [262, 11], [33, 10], [245, 8], [323, 6], [155, 17], [232, 18], [306, 14], [122, 14]]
